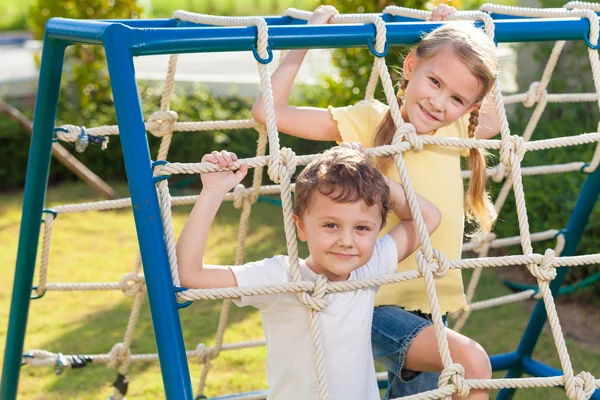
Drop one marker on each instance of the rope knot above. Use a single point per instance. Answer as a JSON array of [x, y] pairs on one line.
[[439, 265], [67, 133], [239, 196], [161, 123], [132, 284], [285, 163], [318, 300], [456, 374], [545, 271], [516, 146], [407, 131], [534, 95], [205, 354], [117, 355], [585, 384]]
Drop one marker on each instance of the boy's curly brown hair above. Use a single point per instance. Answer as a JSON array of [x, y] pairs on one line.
[[345, 176]]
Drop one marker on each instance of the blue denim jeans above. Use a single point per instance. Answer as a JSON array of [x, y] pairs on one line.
[[393, 331]]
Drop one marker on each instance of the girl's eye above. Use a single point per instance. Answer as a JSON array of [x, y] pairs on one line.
[[330, 225], [457, 99], [363, 228], [435, 81]]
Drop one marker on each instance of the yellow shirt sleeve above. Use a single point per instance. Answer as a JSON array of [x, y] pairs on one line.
[[358, 122]]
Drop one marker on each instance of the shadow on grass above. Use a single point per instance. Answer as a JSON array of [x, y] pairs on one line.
[[98, 332]]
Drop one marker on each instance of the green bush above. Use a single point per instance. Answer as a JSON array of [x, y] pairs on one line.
[[551, 198], [199, 105], [85, 79]]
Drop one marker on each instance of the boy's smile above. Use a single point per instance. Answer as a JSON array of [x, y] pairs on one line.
[[341, 237]]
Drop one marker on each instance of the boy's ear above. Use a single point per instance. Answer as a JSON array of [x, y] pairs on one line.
[[410, 63], [300, 228]]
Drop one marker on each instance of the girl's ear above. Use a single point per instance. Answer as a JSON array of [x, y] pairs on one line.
[[410, 64], [473, 107], [300, 228]]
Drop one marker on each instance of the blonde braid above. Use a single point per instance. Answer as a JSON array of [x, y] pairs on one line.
[[479, 207]]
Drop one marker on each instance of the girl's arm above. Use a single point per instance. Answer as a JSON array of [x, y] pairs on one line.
[[304, 122], [404, 234], [488, 125], [191, 244]]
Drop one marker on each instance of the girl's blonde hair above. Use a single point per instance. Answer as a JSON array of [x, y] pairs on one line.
[[478, 52]]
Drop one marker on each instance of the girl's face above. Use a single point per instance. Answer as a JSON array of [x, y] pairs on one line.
[[440, 90]]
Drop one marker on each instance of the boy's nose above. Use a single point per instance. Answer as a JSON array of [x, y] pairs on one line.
[[345, 239]]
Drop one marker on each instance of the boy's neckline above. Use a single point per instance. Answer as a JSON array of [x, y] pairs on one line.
[[316, 274]]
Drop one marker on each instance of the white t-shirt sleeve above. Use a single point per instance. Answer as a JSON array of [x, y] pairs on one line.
[[384, 260], [267, 272]]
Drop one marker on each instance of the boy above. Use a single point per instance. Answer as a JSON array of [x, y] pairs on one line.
[[341, 203]]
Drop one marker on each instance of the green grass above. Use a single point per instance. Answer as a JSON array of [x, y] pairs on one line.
[[100, 247]]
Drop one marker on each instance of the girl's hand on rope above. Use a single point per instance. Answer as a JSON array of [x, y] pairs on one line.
[[322, 15], [222, 181], [441, 12], [353, 146]]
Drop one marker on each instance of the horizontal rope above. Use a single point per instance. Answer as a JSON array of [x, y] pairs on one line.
[[72, 131], [520, 146], [336, 287], [43, 358], [553, 98], [512, 240], [498, 301]]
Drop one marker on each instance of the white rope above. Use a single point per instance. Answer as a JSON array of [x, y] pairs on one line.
[[282, 164]]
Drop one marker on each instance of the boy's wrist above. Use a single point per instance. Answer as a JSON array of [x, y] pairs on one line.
[[214, 191]]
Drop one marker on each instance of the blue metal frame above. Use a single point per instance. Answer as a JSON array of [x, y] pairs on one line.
[[124, 39]]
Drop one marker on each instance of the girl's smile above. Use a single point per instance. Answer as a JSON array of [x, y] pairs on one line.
[[440, 90]]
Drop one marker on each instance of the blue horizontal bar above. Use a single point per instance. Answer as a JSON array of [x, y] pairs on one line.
[[498, 16], [538, 369], [156, 40], [76, 30], [501, 362]]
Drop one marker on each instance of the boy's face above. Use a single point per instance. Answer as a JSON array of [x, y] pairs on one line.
[[341, 237]]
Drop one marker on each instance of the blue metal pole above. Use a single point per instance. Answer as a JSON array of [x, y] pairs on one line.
[[501, 362], [38, 166], [146, 212], [536, 368], [575, 227], [154, 38]]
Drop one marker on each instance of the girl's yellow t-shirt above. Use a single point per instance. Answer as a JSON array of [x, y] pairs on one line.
[[435, 174]]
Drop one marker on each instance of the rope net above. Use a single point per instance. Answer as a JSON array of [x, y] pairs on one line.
[[281, 164]]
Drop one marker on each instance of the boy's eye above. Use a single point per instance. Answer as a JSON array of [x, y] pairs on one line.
[[330, 225], [434, 81], [363, 228]]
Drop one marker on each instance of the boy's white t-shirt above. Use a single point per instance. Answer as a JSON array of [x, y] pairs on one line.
[[345, 329]]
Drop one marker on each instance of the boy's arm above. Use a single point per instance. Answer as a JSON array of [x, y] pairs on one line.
[[191, 244], [305, 122], [404, 234]]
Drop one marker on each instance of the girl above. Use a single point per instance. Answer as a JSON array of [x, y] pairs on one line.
[[446, 79]]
